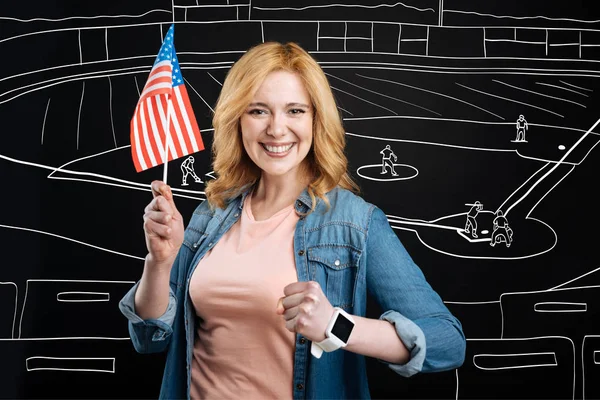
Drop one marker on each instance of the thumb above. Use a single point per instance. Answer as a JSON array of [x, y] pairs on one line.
[[280, 309], [159, 188]]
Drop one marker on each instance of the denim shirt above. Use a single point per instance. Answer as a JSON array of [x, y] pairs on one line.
[[350, 250]]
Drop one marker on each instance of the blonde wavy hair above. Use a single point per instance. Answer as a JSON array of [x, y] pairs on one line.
[[325, 165]]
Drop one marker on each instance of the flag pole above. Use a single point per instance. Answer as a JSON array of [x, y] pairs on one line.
[[167, 141]]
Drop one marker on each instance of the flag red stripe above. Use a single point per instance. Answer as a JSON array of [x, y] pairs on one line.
[[136, 161], [191, 116], [141, 139], [155, 149], [181, 119], [177, 150], [181, 150], [159, 123]]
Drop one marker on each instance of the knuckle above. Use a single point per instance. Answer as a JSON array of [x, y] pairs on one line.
[[311, 298], [305, 309], [301, 323]]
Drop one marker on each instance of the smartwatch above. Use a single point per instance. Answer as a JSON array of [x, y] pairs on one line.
[[336, 335]]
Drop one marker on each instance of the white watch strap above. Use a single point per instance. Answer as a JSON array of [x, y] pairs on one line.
[[315, 350], [329, 344]]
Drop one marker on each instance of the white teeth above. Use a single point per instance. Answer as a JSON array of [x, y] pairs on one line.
[[278, 149]]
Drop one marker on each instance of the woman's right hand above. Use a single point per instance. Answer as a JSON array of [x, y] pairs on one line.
[[163, 225]]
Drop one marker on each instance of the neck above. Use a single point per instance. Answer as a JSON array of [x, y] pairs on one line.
[[273, 194]]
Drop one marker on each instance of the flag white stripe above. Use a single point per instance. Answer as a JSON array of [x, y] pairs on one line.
[[155, 131], [138, 148], [146, 138], [186, 119], [161, 64], [161, 74], [163, 121]]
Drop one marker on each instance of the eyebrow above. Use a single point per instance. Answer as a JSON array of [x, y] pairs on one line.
[[259, 104]]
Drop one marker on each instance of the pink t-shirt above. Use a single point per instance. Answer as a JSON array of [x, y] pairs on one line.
[[242, 348]]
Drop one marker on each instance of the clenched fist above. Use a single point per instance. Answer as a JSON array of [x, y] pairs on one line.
[[163, 225], [305, 309]]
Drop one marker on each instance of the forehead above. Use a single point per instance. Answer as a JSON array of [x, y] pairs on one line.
[[283, 83]]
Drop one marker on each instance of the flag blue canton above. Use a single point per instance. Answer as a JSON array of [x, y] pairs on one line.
[[167, 53]]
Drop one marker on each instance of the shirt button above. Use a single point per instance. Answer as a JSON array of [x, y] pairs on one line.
[[301, 253], [302, 340], [299, 386], [299, 204], [337, 263], [236, 215], [210, 244]]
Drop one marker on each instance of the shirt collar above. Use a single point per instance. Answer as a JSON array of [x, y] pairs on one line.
[[302, 201]]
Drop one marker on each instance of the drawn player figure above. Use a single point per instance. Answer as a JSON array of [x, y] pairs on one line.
[[386, 160], [522, 127], [187, 168], [502, 232], [471, 224]]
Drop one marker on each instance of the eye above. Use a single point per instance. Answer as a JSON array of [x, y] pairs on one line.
[[297, 111], [257, 111]]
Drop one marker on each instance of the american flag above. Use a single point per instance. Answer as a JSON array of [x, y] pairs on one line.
[[147, 130]]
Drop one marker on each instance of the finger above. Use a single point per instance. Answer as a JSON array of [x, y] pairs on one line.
[[290, 324], [159, 217], [153, 228], [157, 188], [167, 194], [295, 287], [160, 204], [292, 300], [291, 313]]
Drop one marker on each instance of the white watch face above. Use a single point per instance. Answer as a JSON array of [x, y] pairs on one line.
[[342, 328]]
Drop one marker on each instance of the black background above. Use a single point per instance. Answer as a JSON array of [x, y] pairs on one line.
[[444, 93]]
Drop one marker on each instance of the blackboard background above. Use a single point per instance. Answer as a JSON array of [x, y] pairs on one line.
[[441, 82]]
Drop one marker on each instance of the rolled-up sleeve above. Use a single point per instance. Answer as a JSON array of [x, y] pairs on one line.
[[148, 335], [432, 335]]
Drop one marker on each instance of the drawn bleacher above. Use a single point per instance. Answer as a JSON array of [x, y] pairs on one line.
[[75, 368], [567, 312], [8, 309], [524, 368], [74, 307], [564, 312], [591, 366]]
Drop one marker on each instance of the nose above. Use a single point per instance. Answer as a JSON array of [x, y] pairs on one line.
[[276, 126]]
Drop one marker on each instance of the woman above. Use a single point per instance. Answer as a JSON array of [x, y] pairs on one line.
[[276, 264]]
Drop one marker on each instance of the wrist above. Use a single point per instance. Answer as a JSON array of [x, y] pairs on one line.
[[159, 265], [338, 332]]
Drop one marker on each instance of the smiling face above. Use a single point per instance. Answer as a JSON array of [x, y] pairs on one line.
[[277, 126]]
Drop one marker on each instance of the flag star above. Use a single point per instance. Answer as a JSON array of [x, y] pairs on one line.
[[178, 80], [176, 70]]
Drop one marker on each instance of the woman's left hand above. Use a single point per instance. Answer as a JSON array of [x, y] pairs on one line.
[[305, 309]]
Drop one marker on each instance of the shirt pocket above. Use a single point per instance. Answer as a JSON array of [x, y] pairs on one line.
[[197, 230], [337, 266]]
